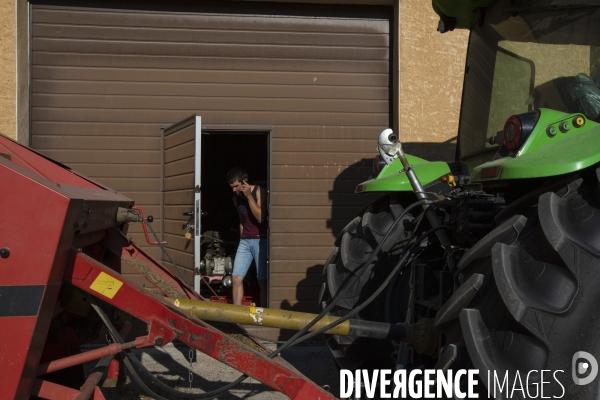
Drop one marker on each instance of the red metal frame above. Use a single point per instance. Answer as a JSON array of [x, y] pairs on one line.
[[43, 166], [57, 225], [41, 220], [49, 390], [83, 271], [129, 253]]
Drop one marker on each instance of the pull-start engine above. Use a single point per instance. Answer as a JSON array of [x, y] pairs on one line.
[[215, 261]]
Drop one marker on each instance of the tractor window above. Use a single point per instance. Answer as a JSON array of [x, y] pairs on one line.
[[514, 78], [518, 63]]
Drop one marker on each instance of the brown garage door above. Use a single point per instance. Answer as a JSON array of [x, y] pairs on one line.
[[106, 78]]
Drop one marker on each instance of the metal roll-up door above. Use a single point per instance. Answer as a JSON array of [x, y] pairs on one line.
[[106, 77]]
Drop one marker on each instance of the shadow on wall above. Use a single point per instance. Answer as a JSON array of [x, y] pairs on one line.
[[444, 151], [345, 205]]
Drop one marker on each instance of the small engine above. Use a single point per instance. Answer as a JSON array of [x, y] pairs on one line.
[[216, 265], [215, 261]]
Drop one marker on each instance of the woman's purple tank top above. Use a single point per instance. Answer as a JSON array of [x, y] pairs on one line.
[[252, 228]]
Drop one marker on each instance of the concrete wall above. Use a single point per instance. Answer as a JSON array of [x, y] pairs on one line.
[[8, 64], [430, 77]]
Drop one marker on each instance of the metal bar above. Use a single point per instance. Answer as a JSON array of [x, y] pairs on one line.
[[91, 383], [95, 278], [91, 355], [49, 390], [421, 195], [284, 319], [90, 388]]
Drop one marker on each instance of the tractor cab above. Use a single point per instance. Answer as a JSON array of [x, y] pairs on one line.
[[530, 91], [524, 57]]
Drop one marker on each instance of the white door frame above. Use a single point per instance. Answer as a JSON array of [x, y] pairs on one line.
[[197, 204]]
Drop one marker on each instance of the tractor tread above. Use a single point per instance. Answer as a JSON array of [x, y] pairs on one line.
[[549, 281]]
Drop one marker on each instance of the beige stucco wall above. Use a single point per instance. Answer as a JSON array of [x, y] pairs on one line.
[[8, 68], [431, 73]]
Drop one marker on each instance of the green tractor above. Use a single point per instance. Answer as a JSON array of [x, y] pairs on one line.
[[494, 257]]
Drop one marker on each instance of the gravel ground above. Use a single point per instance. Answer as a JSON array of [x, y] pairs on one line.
[[171, 365]]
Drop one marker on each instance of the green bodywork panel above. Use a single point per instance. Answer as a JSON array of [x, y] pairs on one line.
[[462, 10], [544, 155], [392, 179]]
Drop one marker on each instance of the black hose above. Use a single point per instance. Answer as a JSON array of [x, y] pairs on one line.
[[297, 338], [131, 358], [138, 381], [372, 297], [388, 298], [346, 286]]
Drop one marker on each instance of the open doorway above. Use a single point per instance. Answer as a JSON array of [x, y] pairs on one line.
[[221, 151]]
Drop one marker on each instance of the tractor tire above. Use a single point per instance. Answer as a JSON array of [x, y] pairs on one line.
[[536, 297], [353, 247]]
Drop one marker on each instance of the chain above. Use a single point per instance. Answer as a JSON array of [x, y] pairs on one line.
[[191, 374], [107, 337]]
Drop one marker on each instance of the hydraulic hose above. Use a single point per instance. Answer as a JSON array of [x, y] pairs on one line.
[[388, 298], [347, 284], [297, 338], [374, 295], [294, 339]]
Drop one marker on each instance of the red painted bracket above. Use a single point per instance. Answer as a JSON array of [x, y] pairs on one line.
[[161, 334], [53, 391]]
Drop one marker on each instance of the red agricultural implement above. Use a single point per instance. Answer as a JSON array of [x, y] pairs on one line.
[[62, 248]]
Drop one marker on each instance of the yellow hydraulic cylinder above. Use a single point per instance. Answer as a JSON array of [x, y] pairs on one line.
[[284, 319]]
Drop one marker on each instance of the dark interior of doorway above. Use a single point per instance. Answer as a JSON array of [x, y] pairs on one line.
[[222, 151]]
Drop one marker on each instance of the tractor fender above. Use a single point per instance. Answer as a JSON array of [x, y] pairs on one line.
[[572, 153], [393, 178]]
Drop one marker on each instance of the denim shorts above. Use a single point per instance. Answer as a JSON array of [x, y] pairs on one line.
[[251, 249]]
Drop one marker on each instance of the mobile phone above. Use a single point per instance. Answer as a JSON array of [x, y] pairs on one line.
[[240, 193]]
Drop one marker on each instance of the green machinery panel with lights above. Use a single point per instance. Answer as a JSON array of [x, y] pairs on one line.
[[557, 144]]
